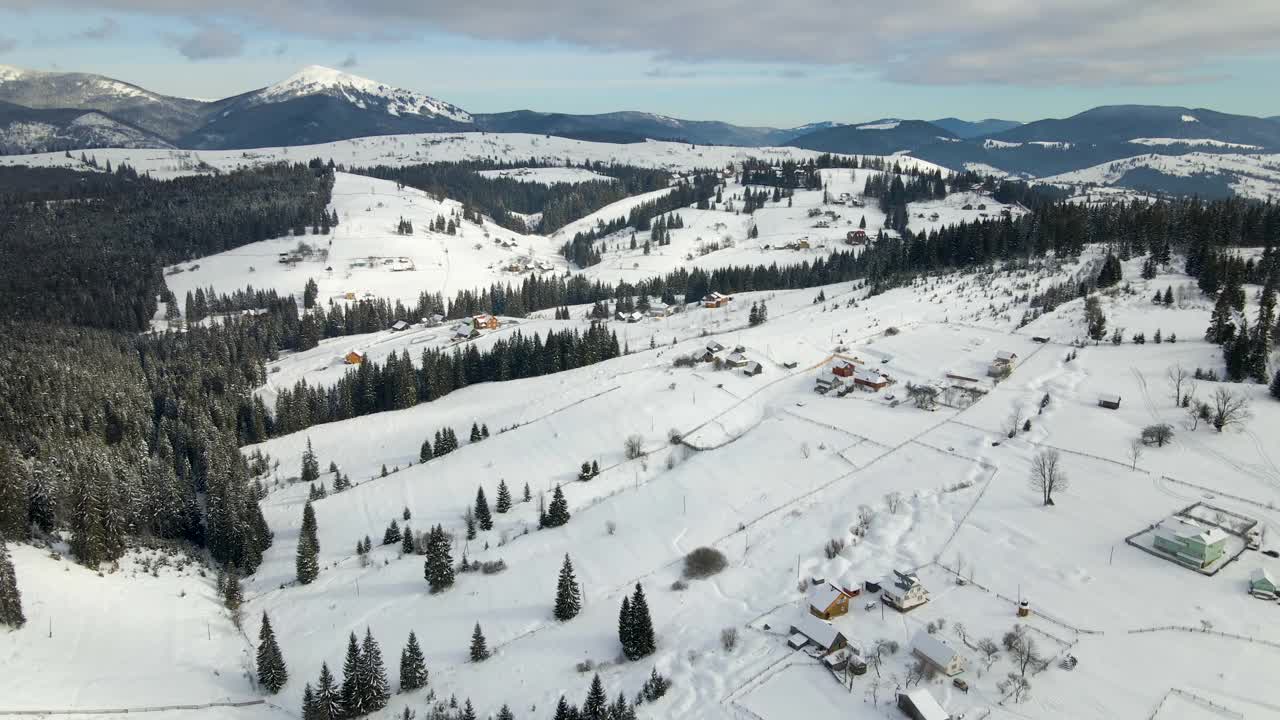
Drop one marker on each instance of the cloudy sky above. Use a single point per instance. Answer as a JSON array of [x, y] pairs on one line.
[[750, 62]]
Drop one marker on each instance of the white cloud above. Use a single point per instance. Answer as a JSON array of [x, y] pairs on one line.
[[207, 43]]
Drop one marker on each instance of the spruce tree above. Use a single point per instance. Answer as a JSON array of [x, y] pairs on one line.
[[568, 597], [438, 567], [528, 496], [479, 648], [558, 510], [469, 521], [232, 593], [1275, 386], [307, 556], [504, 498], [482, 510], [413, 669], [475, 433], [1221, 328], [328, 696], [564, 711], [310, 466], [504, 713], [484, 433], [406, 541], [10, 599], [14, 493], [595, 468], [392, 534], [643, 641], [424, 454], [375, 689], [308, 703], [272, 674], [352, 702], [596, 706], [468, 712], [621, 709], [626, 634]]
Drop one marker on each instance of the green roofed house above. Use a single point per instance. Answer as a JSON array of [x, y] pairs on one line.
[[1189, 542], [1263, 584]]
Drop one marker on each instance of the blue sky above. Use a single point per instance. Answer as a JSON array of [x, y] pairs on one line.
[[867, 61]]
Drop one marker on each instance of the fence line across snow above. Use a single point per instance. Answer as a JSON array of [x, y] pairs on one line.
[[126, 711]]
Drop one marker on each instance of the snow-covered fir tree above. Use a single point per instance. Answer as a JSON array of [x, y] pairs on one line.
[[328, 696], [568, 597], [307, 556], [272, 673], [438, 566], [375, 691], [483, 517], [479, 647], [504, 498], [413, 668], [310, 465], [10, 598]]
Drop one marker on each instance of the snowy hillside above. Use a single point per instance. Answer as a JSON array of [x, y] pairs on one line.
[[1251, 176]]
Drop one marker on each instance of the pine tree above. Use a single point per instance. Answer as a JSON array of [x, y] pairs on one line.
[[308, 703], [595, 468], [1168, 296], [475, 433], [626, 635], [10, 599], [352, 682], [375, 691], [565, 711], [484, 429], [392, 535], [469, 521], [479, 648], [310, 466], [558, 510], [1221, 328], [306, 559], [643, 641], [1275, 386], [468, 712], [328, 697], [504, 498], [482, 510], [232, 593], [504, 713], [568, 597], [438, 567], [425, 453], [528, 496], [413, 669], [1260, 342], [272, 674], [596, 706], [621, 709], [14, 493], [406, 541]]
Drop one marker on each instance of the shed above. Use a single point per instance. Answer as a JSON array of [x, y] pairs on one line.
[[354, 357], [819, 632], [736, 360], [871, 380], [399, 325], [920, 704], [1109, 401], [937, 653], [827, 601], [714, 347], [1263, 584], [752, 369]]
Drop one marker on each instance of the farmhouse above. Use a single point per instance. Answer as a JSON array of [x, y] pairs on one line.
[[752, 369], [856, 237], [736, 359], [827, 601], [827, 383], [920, 704], [1263, 584], [1109, 401], [1003, 364], [633, 317], [714, 347], [808, 629], [462, 331], [399, 325], [715, 300], [660, 309], [903, 591], [844, 370], [355, 357], [870, 380], [937, 653], [484, 322], [1189, 542]]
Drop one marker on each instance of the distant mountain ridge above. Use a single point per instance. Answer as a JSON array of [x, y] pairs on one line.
[[966, 129]]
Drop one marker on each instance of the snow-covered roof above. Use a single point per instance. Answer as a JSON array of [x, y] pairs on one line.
[[897, 584], [1006, 355], [753, 366], [736, 357], [814, 628], [934, 648], [1182, 529], [927, 705], [821, 596], [714, 346], [1109, 398], [1260, 575], [868, 376]]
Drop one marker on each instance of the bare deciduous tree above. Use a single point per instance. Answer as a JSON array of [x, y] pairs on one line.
[[1013, 422], [1229, 408], [634, 447], [1178, 379], [1047, 475], [916, 672], [1136, 446], [990, 651], [893, 501], [1018, 686]]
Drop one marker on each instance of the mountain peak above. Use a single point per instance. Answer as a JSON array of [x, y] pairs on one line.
[[359, 91], [8, 72]]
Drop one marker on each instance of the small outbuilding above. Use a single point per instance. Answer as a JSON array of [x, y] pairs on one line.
[[870, 380], [752, 368], [810, 630], [1263, 584], [354, 357], [736, 360], [399, 326], [827, 601], [1109, 401]]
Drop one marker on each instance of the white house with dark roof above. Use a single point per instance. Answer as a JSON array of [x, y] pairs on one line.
[[903, 591]]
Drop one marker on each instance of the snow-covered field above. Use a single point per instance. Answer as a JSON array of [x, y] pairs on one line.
[[1251, 176], [548, 176]]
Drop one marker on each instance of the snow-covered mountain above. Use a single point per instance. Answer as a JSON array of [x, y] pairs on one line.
[[25, 130], [361, 92], [163, 115]]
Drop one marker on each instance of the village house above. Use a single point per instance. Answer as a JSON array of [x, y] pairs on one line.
[[828, 382], [827, 601], [920, 704], [434, 321], [810, 630], [354, 357], [937, 653], [484, 322], [463, 330], [870, 380], [844, 370], [1109, 401], [399, 326], [715, 300], [1003, 364], [1189, 542], [1263, 584], [752, 368], [736, 359], [903, 591], [657, 308], [856, 237]]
